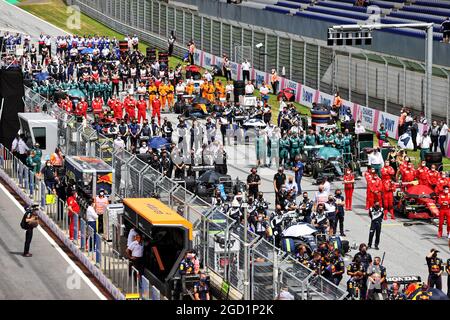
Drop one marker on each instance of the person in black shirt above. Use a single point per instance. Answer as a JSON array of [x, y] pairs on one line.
[[201, 288], [338, 266], [435, 269], [279, 179], [340, 212], [306, 207], [356, 272], [49, 173], [315, 264], [376, 215], [29, 222], [445, 25], [253, 182]]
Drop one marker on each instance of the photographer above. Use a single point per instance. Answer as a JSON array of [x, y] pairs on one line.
[[435, 269], [29, 222]]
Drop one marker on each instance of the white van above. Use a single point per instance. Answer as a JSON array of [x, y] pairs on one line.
[[40, 128]]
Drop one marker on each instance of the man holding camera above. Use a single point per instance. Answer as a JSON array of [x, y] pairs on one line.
[[435, 269]]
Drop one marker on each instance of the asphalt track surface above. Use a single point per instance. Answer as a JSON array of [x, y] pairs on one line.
[[405, 247], [48, 275]]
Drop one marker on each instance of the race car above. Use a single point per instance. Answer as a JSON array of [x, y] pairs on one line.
[[417, 202], [306, 234]]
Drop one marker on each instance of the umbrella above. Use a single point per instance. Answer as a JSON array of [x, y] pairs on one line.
[[42, 76], [210, 176], [299, 230], [328, 152], [158, 142], [87, 51], [76, 93]]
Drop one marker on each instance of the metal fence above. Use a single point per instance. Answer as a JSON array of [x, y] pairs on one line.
[[376, 81]]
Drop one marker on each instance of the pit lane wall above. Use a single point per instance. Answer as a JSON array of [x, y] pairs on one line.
[[370, 118]]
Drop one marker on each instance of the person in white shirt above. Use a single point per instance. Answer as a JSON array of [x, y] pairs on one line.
[[264, 91], [91, 217], [135, 253], [245, 70], [229, 88], [144, 148], [179, 89], [443, 137], [131, 236], [249, 88], [376, 161], [207, 76], [119, 143], [425, 145], [326, 185], [320, 197], [359, 128], [292, 185], [22, 148]]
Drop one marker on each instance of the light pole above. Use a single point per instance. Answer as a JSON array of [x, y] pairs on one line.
[[359, 32]]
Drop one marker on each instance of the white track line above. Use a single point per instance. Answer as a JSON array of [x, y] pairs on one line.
[[60, 251]]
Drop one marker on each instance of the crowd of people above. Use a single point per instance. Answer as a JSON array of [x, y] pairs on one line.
[[121, 87]]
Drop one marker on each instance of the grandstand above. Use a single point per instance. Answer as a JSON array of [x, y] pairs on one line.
[[344, 11]]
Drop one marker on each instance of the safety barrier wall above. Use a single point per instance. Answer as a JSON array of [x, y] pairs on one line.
[[382, 82], [94, 252]]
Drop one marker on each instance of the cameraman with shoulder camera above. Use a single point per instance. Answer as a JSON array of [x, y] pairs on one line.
[[435, 269]]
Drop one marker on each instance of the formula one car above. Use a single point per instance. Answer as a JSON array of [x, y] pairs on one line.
[[306, 234], [417, 202]]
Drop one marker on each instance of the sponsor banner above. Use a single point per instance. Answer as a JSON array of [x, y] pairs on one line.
[[367, 117], [324, 98], [207, 60], [234, 70], [198, 57], [390, 123], [307, 96], [260, 77]]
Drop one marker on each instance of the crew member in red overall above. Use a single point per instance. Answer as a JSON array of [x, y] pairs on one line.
[[367, 175], [433, 176], [82, 107], [349, 186], [111, 103], [387, 172], [442, 181], [388, 198], [375, 188], [130, 107], [422, 174], [156, 108], [97, 105], [444, 210], [73, 208], [142, 109]]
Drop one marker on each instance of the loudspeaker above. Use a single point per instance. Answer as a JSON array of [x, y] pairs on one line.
[[433, 157], [123, 46], [238, 92], [239, 84]]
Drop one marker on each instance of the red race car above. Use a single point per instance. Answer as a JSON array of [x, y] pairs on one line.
[[417, 202]]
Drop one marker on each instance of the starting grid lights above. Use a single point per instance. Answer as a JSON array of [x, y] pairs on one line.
[[348, 38]]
